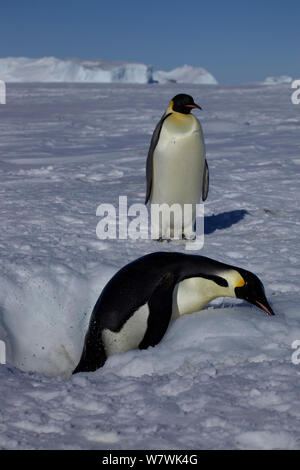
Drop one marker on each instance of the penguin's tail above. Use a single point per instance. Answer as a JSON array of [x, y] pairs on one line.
[[93, 356]]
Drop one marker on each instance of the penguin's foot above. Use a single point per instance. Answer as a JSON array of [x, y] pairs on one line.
[[161, 239], [190, 236]]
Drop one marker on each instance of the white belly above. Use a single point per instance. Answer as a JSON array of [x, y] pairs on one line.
[[178, 165], [178, 170], [131, 334]]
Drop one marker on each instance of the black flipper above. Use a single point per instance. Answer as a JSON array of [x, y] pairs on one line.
[[205, 183], [160, 306], [149, 164]]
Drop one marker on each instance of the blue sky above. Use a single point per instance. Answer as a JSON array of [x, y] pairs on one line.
[[237, 41]]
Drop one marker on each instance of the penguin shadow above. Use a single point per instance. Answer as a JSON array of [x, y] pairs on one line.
[[223, 220]]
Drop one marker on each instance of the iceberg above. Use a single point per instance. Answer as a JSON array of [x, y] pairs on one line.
[[185, 74], [277, 80], [52, 69]]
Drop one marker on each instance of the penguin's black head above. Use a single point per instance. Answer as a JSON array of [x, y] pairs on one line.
[[183, 103], [253, 291]]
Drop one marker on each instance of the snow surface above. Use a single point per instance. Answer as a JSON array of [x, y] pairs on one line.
[[51, 69], [221, 378]]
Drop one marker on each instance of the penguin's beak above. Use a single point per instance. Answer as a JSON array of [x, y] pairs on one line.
[[265, 306], [193, 106], [255, 295], [261, 302]]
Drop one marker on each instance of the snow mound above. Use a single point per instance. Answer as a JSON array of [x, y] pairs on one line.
[[51, 69], [277, 80], [44, 315], [185, 74]]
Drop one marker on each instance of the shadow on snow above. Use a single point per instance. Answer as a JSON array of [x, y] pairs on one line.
[[223, 220]]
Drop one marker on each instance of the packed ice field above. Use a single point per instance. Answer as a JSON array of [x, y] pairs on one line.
[[223, 378]]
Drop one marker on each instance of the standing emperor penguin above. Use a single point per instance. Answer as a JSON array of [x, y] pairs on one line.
[[176, 169], [138, 303]]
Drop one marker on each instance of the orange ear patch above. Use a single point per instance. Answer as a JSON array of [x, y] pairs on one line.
[[241, 283]]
